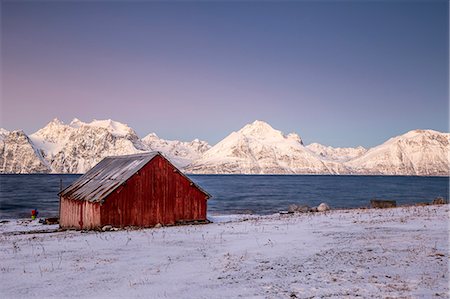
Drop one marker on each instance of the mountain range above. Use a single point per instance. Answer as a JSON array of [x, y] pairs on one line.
[[257, 148]]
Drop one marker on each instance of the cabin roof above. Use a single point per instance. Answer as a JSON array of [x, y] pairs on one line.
[[109, 174]]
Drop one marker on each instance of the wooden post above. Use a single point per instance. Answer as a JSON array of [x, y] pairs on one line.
[[60, 189]]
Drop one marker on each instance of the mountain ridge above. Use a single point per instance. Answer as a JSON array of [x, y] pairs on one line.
[[257, 148], [78, 146]]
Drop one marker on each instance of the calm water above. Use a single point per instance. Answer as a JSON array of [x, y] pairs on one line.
[[257, 194]]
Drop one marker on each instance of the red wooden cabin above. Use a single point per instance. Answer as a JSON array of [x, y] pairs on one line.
[[133, 190]]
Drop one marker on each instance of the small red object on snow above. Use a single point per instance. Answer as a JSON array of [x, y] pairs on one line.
[[34, 214]]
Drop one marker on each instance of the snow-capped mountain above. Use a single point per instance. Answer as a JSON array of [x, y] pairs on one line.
[[56, 133], [418, 152], [78, 146], [18, 154], [181, 153], [340, 154], [259, 149]]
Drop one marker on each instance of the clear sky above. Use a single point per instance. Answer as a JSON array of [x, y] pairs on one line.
[[342, 73]]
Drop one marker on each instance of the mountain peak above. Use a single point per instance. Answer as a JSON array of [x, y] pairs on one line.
[[56, 121], [416, 132], [54, 125], [260, 124], [419, 134], [150, 137], [3, 131], [295, 137], [263, 131], [114, 127], [259, 129], [257, 149], [76, 122]]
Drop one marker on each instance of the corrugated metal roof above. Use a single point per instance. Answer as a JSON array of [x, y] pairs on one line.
[[106, 176], [109, 174]]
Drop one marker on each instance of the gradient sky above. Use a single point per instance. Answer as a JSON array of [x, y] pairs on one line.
[[342, 73]]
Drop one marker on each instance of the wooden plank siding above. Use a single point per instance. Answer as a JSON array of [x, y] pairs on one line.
[[156, 193], [79, 214]]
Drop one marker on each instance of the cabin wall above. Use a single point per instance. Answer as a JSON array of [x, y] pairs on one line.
[[79, 214], [157, 193]]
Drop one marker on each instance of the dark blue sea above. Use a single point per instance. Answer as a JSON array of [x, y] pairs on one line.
[[241, 194]]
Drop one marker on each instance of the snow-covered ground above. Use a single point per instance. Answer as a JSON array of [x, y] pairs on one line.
[[401, 252]]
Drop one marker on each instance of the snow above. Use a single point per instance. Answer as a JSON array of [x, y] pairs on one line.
[[3, 133], [295, 137], [52, 137], [340, 154], [17, 226], [401, 252], [231, 218], [418, 152], [260, 149], [261, 130], [76, 123], [114, 127], [18, 154], [78, 146], [181, 153]]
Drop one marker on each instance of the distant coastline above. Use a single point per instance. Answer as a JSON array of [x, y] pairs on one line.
[[262, 174]]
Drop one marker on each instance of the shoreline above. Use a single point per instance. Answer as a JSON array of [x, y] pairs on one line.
[[264, 174], [211, 218]]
